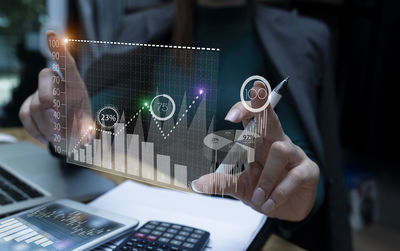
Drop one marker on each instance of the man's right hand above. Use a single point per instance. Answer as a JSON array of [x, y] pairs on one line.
[[37, 111]]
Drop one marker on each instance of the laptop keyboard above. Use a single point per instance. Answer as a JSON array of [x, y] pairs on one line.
[[12, 189]]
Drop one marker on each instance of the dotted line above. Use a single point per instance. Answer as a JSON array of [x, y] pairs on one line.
[[108, 132], [131, 119], [80, 140], [127, 123], [177, 122], [143, 45]]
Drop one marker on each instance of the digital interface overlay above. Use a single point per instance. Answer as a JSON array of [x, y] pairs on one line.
[[146, 112]]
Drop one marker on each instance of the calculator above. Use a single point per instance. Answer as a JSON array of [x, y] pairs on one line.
[[163, 236]]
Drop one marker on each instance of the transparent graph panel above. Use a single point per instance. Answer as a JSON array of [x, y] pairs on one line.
[[150, 108]]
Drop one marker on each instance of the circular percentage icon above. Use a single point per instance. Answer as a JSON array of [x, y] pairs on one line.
[[162, 107], [107, 116], [261, 93]]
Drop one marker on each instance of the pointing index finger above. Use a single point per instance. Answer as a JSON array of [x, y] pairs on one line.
[[60, 53]]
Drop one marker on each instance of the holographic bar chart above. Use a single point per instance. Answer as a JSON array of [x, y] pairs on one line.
[[150, 108]]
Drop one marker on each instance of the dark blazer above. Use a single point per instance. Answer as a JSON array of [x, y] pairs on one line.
[[299, 47]]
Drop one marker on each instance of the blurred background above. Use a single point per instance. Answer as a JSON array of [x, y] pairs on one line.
[[366, 42]]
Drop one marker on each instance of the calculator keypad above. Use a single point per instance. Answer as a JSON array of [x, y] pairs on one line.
[[163, 236]]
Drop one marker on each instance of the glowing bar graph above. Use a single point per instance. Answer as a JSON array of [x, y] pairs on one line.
[[180, 177], [148, 160], [121, 152], [119, 147], [97, 152], [132, 154], [82, 155], [76, 155], [106, 150], [89, 154], [163, 168], [251, 152]]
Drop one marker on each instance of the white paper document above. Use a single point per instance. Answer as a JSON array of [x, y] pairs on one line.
[[232, 224]]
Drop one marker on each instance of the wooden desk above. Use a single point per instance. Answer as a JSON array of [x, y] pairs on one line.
[[274, 243]]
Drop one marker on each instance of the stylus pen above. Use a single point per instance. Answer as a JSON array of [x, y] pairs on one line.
[[235, 152]]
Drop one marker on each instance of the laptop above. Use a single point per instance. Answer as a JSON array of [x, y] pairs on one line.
[[30, 175]]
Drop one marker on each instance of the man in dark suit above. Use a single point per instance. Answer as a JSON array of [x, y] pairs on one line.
[[299, 145]]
